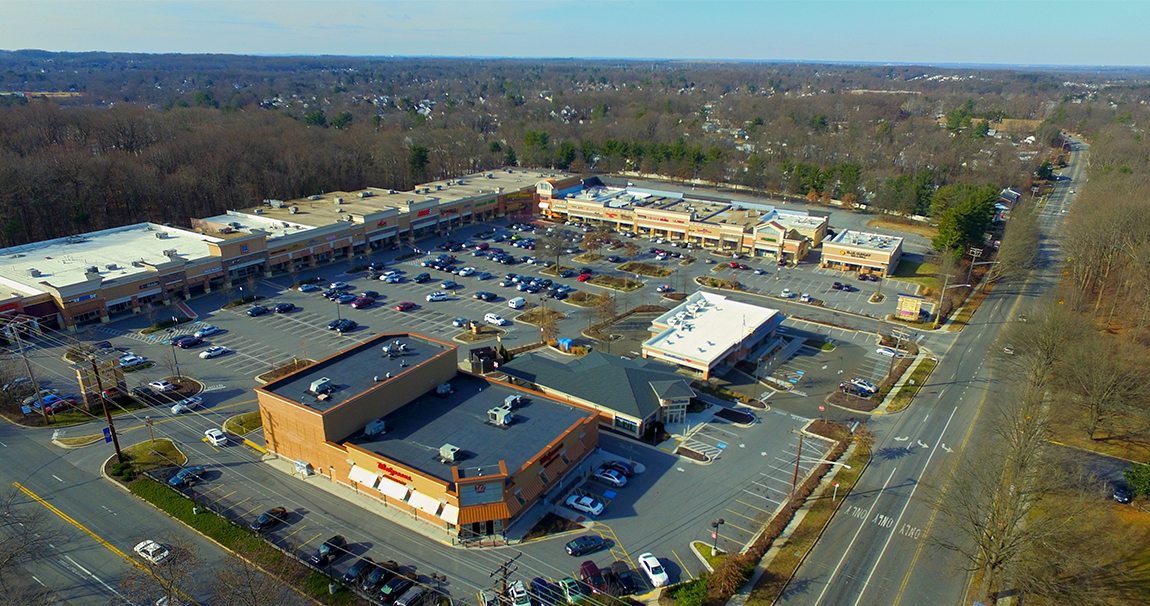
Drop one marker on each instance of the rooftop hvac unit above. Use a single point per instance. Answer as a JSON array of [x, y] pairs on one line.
[[236, 224], [500, 417], [513, 401], [92, 269], [322, 385], [293, 210], [285, 224], [137, 263], [448, 453], [339, 200], [366, 194], [160, 235], [111, 267], [171, 252], [35, 273], [375, 428], [313, 198]]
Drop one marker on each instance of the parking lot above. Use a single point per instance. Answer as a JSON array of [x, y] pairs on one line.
[[672, 503]]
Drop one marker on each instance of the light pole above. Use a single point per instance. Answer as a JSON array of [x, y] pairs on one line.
[[941, 293], [175, 360], [975, 254], [715, 536]]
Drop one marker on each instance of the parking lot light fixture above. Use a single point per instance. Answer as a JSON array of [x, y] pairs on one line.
[[175, 359], [715, 535]]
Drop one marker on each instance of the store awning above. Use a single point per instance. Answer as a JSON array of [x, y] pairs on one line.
[[366, 477], [423, 502], [484, 513], [450, 514], [393, 489]]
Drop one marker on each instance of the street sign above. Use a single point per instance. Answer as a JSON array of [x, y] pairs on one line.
[[107, 435]]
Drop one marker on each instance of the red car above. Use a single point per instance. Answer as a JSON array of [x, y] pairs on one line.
[[583, 277], [362, 302], [405, 306], [733, 264]]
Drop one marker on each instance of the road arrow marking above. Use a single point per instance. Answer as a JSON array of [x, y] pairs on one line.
[[921, 444], [902, 439], [943, 446]]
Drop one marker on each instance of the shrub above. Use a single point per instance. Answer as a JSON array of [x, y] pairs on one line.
[[691, 593]]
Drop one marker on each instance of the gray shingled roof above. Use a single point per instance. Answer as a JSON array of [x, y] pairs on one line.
[[630, 387]]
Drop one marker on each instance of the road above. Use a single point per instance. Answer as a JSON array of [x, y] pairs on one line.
[[878, 549]]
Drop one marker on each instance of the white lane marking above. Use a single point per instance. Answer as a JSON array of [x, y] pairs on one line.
[[906, 504], [846, 551], [902, 439], [57, 477]]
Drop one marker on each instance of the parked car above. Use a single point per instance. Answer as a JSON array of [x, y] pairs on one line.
[[207, 330], [585, 504], [363, 302], [216, 437], [624, 467], [437, 296], [189, 342], [339, 286], [864, 385], [176, 340], [495, 319], [346, 299], [584, 545], [269, 519], [34, 399], [329, 551], [572, 591], [379, 573], [214, 351], [610, 476], [890, 352], [130, 361], [187, 476], [257, 310], [663, 288], [483, 295], [628, 582], [787, 294], [346, 325], [404, 306], [805, 298], [162, 386], [55, 403], [546, 592], [421, 278], [518, 594], [357, 570], [393, 588], [283, 308], [187, 405], [654, 570], [152, 551], [592, 577], [309, 288]]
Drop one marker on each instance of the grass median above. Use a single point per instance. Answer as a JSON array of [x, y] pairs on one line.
[[910, 389]]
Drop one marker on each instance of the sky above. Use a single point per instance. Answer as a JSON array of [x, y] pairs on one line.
[[1006, 32]]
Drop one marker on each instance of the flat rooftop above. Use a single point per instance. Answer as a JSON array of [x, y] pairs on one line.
[[866, 240], [417, 431], [706, 326], [322, 209], [797, 221], [244, 223], [353, 371], [120, 253]]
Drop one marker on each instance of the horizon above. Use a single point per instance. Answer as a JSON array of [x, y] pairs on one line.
[[940, 33]]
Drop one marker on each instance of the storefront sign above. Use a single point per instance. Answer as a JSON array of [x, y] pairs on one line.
[[548, 458], [393, 472], [152, 284], [423, 213], [84, 298]]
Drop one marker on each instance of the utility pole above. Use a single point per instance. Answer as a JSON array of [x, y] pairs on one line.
[[107, 413], [31, 375], [504, 573]]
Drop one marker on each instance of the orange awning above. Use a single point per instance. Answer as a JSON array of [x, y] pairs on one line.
[[483, 513]]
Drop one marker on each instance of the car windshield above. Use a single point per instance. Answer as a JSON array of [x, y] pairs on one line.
[[656, 569]]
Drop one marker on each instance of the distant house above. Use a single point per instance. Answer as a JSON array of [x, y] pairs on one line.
[[1009, 196], [631, 396]]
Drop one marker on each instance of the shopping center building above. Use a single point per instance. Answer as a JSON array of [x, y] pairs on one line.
[[393, 418], [862, 252], [709, 332], [98, 276], [760, 230]]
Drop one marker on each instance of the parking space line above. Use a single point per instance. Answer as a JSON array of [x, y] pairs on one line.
[[739, 528], [682, 566], [740, 514]]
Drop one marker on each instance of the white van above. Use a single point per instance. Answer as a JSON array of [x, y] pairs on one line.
[[517, 303]]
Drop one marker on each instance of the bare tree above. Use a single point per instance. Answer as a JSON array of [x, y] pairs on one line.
[[171, 578], [1099, 383], [606, 307], [548, 322], [240, 583], [25, 535], [1019, 249]]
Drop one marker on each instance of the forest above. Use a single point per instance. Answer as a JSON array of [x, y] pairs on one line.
[[93, 140]]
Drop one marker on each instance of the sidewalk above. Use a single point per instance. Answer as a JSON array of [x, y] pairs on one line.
[[882, 408]]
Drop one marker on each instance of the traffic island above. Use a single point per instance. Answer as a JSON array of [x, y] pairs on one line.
[[243, 424]]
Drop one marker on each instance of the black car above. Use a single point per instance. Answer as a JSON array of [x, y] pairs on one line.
[[567, 273], [423, 277], [626, 578], [258, 310], [483, 295], [394, 588], [334, 324], [623, 467], [546, 592], [585, 544], [614, 259], [1123, 494], [380, 573], [357, 571], [346, 325], [179, 339], [269, 519], [283, 308], [188, 342], [331, 294], [329, 551], [449, 284], [370, 294]]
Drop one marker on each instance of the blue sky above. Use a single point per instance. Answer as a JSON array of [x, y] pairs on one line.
[[1092, 32]]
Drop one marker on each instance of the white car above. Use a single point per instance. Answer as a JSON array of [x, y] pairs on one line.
[[187, 405], [495, 319], [216, 437], [162, 386], [437, 296], [787, 294], [585, 505], [611, 476], [891, 352], [131, 360], [466, 271], [152, 551], [214, 351], [805, 298], [654, 570], [207, 330]]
